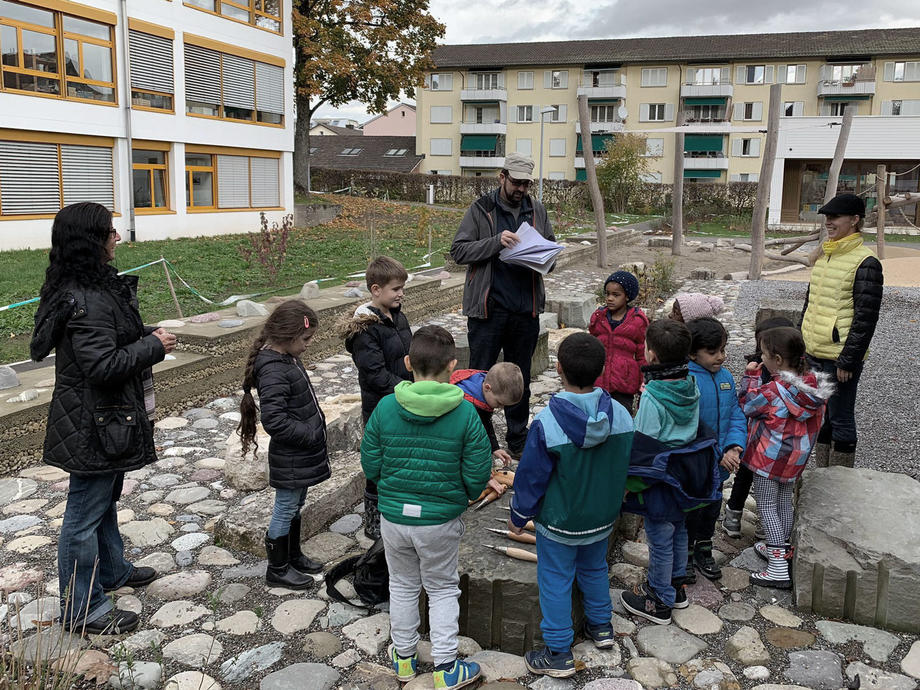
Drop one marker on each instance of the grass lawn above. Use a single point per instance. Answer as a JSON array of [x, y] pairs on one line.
[[215, 267]]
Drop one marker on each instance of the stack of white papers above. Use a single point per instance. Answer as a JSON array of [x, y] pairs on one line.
[[533, 251]]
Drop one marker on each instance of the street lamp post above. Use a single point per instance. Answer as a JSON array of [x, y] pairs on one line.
[[543, 114]]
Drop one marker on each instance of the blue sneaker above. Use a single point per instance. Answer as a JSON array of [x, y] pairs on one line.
[[405, 666], [545, 663], [461, 674], [601, 635]]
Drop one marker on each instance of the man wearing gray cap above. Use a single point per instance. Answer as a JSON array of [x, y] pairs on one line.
[[502, 302]]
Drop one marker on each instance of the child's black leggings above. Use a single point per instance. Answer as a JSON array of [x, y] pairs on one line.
[[701, 523], [741, 488]]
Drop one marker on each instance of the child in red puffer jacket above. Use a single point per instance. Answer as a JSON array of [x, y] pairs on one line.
[[621, 329]]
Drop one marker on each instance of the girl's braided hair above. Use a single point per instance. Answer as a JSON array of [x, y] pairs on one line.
[[290, 320]]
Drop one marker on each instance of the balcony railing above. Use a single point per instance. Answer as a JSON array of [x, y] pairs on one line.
[[474, 94], [471, 159], [616, 125], [496, 127], [705, 160], [843, 80], [697, 89]]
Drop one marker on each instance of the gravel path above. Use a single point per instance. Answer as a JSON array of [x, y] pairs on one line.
[[886, 409]]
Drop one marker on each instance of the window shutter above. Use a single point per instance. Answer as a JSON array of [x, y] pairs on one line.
[[758, 111], [87, 175], [643, 112], [740, 74], [501, 80], [725, 75], [738, 111], [736, 147], [151, 62], [202, 75], [691, 75], [29, 178], [547, 79], [889, 71], [447, 82], [232, 182], [265, 183], [911, 107], [563, 112], [239, 82], [441, 147], [753, 177], [912, 71], [783, 72], [800, 74], [668, 112], [886, 107], [798, 109], [564, 79], [768, 74], [755, 147], [270, 88]]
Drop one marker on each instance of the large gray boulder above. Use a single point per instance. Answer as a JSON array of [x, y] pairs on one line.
[[243, 527], [857, 555], [248, 473], [573, 308]]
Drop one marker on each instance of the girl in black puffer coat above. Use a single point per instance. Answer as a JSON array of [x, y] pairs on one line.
[[291, 415]]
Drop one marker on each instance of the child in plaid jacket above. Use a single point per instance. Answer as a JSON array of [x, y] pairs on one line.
[[785, 416]]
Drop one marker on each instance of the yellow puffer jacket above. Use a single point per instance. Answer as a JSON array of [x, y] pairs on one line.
[[830, 312]]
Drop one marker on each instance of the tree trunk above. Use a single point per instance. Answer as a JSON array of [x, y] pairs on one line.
[[597, 202], [759, 217], [677, 193], [881, 178], [302, 145], [833, 176]]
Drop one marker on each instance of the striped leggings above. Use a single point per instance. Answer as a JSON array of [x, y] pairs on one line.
[[774, 503]]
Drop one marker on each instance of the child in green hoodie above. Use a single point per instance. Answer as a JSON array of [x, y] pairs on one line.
[[429, 455], [669, 413]]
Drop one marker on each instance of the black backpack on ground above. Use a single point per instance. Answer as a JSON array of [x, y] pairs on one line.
[[371, 577]]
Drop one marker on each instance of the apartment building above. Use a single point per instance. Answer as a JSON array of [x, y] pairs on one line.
[[175, 114], [485, 100]]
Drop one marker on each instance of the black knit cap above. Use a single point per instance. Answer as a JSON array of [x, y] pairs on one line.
[[844, 205], [627, 281]]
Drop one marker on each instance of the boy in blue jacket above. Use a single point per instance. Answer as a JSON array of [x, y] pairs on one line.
[[720, 411], [672, 470], [570, 482]]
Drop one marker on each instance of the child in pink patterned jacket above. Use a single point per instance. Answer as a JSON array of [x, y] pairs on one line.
[[785, 417]]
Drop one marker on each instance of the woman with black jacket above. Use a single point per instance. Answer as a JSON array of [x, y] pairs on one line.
[[838, 321], [99, 423]]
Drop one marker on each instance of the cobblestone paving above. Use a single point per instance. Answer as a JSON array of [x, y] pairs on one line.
[[210, 621]]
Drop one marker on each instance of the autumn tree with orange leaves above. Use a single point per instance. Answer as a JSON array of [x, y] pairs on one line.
[[364, 50]]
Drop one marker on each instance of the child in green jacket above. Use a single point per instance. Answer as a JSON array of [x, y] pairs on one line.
[[429, 455]]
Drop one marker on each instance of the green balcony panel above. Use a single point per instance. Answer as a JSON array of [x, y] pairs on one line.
[[479, 142], [702, 173], [598, 142], [702, 142], [844, 97], [706, 101], [581, 175]]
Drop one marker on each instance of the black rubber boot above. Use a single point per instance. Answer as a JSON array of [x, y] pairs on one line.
[[296, 557], [702, 554], [371, 517], [279, 572]]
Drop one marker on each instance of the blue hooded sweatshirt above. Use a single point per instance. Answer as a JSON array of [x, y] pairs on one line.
[[572, 474], [720, 409]]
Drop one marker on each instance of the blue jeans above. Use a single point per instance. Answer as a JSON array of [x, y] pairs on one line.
[[558, 566], [288, 503], [840, 417], [91, 553], [667, 556]]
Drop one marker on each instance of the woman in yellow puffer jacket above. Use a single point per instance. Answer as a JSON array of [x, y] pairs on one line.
[[838, 322]]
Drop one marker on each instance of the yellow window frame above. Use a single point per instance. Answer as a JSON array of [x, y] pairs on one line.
[[150, 168], [189, 170], [61, 76], [151, 108], [251, 6]]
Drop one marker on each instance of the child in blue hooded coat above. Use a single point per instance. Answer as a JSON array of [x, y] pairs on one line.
[[720, 411]]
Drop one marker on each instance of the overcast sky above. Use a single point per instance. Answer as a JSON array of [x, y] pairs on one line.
[[502, 21]]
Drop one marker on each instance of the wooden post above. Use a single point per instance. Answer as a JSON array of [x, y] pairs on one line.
[[172, 290], [881, 179], [761, 202], [833, 176], [597, 201], [677, 194]]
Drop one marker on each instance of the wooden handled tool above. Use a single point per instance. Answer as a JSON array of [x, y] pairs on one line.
[[512, 552], [523, 537], [504, 477], [491, 496]]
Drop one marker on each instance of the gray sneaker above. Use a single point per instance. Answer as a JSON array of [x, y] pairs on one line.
[[731, 523]]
